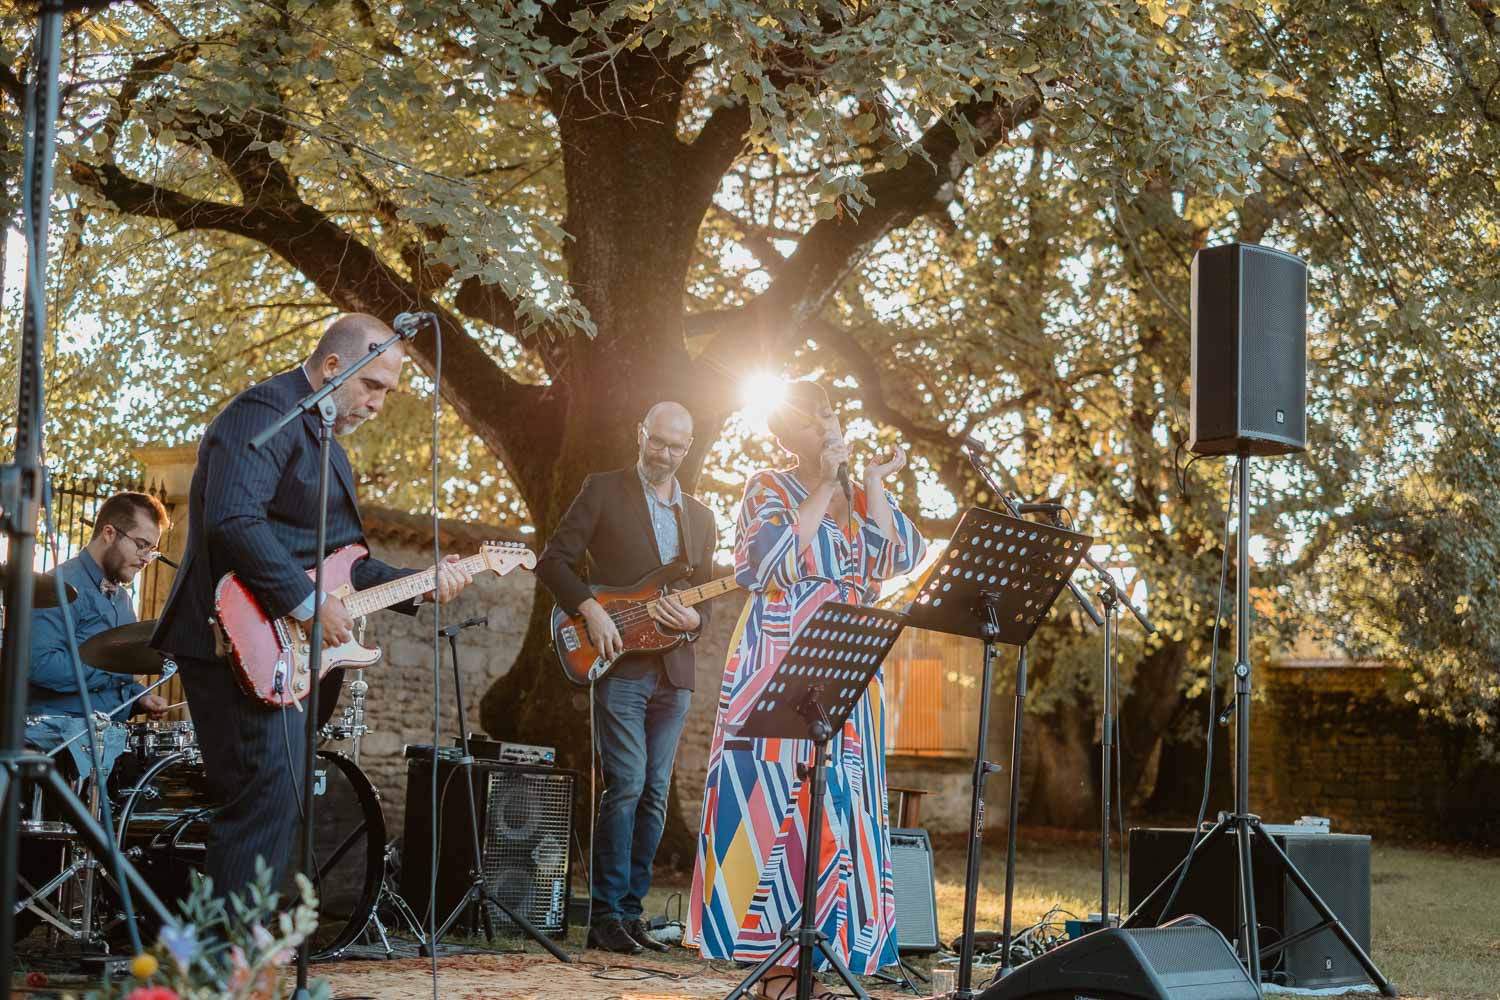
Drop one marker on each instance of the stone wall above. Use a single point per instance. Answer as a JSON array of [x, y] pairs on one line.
[[399, 703], [1330, 740]]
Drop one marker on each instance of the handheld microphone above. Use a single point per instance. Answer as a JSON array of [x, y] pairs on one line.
[[408, 323], [844, 480]]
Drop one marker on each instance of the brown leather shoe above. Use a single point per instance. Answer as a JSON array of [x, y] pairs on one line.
[[637, 929]]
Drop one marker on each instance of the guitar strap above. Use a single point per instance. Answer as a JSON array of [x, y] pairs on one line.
[[683, 552]]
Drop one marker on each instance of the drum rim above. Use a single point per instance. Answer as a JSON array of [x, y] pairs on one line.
[[375, 837]]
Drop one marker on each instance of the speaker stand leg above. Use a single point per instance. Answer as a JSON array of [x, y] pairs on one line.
[[1330, 919]]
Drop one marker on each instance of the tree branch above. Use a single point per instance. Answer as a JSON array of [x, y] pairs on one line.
[[353, 277], [831, 249]]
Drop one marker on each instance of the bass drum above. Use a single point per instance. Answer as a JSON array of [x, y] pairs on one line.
[[163, 820]]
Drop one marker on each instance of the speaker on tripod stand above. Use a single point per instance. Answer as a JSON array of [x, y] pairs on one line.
[[1249, 391]]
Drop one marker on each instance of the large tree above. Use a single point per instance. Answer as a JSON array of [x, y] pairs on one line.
[[975, 217]]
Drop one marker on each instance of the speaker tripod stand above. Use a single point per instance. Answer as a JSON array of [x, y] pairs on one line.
[[1244, 825]]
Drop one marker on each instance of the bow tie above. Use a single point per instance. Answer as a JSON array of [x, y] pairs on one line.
[[108, 587]]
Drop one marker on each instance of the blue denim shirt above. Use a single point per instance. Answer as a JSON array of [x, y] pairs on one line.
[[53, 686], [664, 515]]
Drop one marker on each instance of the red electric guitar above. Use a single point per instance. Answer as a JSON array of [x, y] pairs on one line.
[[630, 607], [271, 657]]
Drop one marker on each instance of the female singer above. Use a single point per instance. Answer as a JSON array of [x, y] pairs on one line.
[[800, 543]]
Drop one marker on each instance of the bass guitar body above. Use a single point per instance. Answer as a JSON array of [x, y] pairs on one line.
[[581, 663]]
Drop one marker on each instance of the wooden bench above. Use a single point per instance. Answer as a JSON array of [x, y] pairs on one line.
[[908, 806]]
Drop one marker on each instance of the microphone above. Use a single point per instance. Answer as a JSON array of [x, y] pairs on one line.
[[1046, 507], [844, 480], [408, 323], [975, 445], [453, 630]]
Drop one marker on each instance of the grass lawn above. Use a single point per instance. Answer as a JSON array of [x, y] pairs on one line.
[[1436, 912]]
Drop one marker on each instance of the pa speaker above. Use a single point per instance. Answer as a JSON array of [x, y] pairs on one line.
[[1184, 960], [525, 817], [1337, 865], [1249, 391], [916, 900]]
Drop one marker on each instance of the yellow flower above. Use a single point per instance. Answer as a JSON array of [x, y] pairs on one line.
[[143, 966]]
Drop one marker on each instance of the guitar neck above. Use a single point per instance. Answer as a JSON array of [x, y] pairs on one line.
[[704, 592], [383, 595]]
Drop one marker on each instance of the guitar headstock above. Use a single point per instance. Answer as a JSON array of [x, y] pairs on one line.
[[502, 557]]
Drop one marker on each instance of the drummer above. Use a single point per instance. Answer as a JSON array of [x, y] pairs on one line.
[[127, 530]]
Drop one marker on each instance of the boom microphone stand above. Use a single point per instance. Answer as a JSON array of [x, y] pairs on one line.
[[963, 991], [320, 399], [21, 490], [1111, 596]]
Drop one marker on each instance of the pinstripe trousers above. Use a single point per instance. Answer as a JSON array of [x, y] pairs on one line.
[[253, 758]]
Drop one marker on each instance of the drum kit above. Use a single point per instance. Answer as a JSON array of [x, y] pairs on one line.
[[160, 800]]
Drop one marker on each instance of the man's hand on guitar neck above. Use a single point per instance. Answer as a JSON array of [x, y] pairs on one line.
[[672, 613], [452, 578], [603, 632]]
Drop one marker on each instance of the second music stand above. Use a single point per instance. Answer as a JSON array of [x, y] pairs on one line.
[[996, 582], [810, 696]]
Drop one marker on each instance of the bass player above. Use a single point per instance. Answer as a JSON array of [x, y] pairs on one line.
[[629, 522], [254, 513]]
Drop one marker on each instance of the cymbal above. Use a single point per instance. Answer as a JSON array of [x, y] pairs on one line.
[[46, 588], [123, 650]]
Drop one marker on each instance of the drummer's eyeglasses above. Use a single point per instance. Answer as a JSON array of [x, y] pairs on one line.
[[145, 548]]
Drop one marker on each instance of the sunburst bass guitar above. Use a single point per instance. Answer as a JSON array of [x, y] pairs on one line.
[[270, 657], [630, 608]]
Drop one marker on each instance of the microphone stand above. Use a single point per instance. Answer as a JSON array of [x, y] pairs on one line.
[[983, 767], [1111, 595], [478, 891], [320, 399]]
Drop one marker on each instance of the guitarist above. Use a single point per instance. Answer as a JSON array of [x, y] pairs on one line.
[[629, 522], [254, 513]]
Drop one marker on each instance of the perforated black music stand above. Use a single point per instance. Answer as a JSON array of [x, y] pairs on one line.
[[996, 582], [809, 697]]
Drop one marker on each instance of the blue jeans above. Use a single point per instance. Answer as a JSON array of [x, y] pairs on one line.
[[638, 721], [50, 731]]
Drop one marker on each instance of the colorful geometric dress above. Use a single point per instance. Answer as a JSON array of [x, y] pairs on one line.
[[747, 884]]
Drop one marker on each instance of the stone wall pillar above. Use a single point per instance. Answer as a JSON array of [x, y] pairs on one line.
[[168, 472]]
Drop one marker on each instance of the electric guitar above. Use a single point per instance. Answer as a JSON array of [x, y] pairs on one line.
[[271, 657], [630, 608]]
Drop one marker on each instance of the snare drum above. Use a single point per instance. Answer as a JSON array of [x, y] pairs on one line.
[[151, 741]]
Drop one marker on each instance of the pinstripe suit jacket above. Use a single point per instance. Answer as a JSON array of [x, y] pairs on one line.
[[254, 513]]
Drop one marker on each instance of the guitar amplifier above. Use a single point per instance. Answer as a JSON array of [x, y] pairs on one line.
[[1337, 865], [916, 900], [525, 816]]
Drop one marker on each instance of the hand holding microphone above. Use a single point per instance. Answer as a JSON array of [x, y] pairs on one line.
[[834, 462]]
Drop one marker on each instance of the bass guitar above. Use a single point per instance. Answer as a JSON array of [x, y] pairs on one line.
[[270, 657], [630, 608]]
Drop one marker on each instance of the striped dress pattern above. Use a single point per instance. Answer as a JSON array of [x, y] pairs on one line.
[[747, 882]]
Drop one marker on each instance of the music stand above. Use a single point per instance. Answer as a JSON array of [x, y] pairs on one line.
[[996, 582], [817, 684]]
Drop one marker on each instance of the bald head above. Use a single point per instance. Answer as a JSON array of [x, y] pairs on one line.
[[346, 340], [349, 337], [670, 412], [664, 437]]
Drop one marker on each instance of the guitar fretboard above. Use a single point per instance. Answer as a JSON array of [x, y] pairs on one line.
[[703, 592], [384, 595]]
